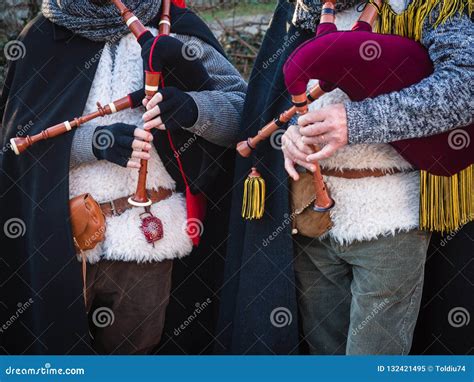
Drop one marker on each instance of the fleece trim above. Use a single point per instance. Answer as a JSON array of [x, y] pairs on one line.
[[118, 73]]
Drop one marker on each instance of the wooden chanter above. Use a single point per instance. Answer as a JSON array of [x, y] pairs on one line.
[[152, 82]]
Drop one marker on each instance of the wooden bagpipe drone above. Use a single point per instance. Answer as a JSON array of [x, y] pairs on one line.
[[365, 64]]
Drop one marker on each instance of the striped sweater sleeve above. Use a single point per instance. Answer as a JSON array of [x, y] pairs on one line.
[[441, 102], [219, 110]]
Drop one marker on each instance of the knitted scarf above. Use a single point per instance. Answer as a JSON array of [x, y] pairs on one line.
[[97, 20]]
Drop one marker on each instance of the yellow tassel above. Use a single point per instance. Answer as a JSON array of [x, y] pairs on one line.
[[409, 23], [253, 204], [446, 203]]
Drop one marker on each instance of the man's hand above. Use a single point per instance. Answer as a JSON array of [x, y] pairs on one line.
[[180, 63], [121, 144], [327, 128], [170, 109], [295, 152]]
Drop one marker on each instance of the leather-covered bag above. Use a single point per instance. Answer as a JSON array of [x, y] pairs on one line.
[[306, 221], [87, 222]]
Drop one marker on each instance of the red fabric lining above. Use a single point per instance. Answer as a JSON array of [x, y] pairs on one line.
[[179, 3], [195, 204]]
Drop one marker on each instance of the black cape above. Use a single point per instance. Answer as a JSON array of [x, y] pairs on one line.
[[41, 297], [259, 277]]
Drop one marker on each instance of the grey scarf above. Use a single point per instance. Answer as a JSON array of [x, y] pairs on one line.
[[97, 20], [308, 12]]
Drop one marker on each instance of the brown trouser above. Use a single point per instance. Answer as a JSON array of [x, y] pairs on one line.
[[127, 302]]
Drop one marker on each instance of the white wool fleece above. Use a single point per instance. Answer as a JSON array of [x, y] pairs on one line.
[[119, 73], [369, 207]]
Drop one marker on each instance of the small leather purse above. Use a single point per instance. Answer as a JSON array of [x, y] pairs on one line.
[[87, 222], [306, 221]]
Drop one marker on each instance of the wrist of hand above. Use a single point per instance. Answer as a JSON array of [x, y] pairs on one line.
[[178, 110]]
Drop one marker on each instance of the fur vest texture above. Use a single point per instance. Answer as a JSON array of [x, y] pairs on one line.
[[120, 72], [369, 207]]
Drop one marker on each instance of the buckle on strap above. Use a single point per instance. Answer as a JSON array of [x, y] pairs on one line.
[[112, 208]]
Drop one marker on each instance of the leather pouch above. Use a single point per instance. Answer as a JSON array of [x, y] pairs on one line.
[[306, 221], [87, 222]]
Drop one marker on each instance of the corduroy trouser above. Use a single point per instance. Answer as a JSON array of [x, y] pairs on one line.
[[361, 298]]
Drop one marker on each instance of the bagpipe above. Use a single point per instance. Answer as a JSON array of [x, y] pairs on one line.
[[158, 62], [153, 79], [365, 64]]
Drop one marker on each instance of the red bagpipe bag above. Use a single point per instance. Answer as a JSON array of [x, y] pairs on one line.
[[365, 64]]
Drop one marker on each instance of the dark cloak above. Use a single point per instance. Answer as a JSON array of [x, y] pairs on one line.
[[48, 85], [259, 277]]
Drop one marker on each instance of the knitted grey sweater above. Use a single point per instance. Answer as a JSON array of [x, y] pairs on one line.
[[441, 102], [227, 98]]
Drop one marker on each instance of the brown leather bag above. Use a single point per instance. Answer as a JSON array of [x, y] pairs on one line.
[[87, 222], [307, 222]]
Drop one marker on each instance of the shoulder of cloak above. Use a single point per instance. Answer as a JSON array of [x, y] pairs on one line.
[[186, 22], [51, 79]]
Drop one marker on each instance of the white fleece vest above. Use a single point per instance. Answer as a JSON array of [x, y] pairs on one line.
[[117, 75], [369, 207]]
